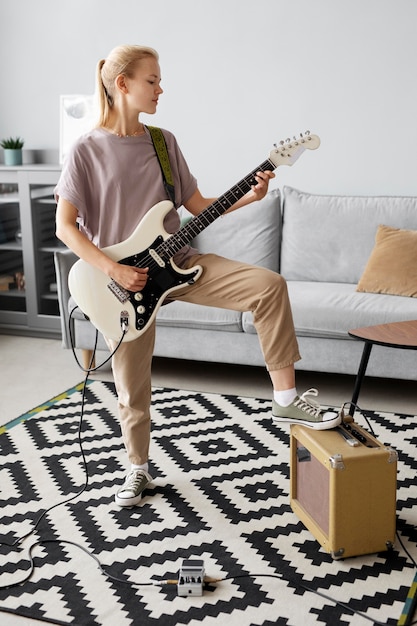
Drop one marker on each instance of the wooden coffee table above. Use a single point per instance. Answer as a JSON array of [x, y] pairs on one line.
[[394, 335]]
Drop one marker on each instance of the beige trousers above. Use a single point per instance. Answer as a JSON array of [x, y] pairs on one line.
[[226, 284]]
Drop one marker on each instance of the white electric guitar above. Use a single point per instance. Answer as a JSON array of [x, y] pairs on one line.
[[113, 309]]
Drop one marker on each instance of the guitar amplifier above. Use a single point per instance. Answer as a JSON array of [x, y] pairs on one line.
[[343, 488]]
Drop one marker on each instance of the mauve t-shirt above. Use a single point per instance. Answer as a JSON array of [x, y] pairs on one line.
[[114, 181]]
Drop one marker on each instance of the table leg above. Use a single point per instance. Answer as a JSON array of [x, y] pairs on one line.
[[359, 377]]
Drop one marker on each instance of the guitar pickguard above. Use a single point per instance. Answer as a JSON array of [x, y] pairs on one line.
[[162, 278]]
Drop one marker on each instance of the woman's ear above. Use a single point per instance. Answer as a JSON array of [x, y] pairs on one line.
[[121, 83]]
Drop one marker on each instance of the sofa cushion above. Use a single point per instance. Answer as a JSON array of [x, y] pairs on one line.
[[392, 266], [330, 310], [186, 315], [251, 234], [330, 238]]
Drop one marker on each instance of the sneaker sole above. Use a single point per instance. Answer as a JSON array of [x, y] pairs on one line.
[[327, 425], [127, 501]]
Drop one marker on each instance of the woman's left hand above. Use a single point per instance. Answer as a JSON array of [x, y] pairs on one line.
[[261, 188]]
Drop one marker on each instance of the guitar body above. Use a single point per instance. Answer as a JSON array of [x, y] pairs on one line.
[[114, 310], [106, 304]]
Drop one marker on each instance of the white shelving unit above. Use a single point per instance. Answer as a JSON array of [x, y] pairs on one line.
[[27, 246]]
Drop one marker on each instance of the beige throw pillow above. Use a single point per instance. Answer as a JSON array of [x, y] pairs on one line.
[[392, 266]]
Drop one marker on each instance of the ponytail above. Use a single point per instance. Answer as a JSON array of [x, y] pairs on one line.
[[102, 96]]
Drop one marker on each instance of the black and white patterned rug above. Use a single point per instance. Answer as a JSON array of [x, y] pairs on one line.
[[220, 493]]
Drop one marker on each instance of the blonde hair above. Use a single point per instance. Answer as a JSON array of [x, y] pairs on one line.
[[121, 60]]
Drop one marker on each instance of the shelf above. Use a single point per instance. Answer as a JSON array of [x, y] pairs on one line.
[[50, 201], [13, 293], [28, 207], [51, 249], [8, 198], [11, 245], [50, 296], [43, 194]]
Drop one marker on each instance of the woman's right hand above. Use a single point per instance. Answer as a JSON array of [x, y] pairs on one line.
[[128, 277]]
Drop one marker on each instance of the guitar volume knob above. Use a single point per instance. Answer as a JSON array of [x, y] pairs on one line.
[[138, 296], [140, 309]]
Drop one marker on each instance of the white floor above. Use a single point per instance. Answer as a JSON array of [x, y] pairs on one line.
[[35, 370]]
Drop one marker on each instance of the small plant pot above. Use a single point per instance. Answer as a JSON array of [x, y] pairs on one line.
[[12, 156]]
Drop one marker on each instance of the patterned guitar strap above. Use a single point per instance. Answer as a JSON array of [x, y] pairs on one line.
[[160, 146]]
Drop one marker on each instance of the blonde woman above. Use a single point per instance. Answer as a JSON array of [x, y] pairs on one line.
[[110, 180]]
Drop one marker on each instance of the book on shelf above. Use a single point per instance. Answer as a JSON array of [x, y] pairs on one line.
[[7, 283], [12, 281]]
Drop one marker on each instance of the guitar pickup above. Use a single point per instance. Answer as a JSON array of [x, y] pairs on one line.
[[156, 257]]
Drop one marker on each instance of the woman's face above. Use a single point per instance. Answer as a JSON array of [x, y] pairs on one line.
[[143, 88]]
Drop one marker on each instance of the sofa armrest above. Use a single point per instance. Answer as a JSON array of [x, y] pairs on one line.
[[64, 260]]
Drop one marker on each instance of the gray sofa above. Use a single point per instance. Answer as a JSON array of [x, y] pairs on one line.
[[321, 244]]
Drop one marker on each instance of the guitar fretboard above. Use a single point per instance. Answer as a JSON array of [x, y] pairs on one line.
[[178, 240]]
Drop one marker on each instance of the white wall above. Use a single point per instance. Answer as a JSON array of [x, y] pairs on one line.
[[238, 75]]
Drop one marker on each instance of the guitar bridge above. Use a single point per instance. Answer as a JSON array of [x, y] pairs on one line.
[[117, 290]]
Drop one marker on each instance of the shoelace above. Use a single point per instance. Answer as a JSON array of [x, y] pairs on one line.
[[309, 406], [134, 480]]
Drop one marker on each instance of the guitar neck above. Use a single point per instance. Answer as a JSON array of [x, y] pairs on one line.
[[197, 224]]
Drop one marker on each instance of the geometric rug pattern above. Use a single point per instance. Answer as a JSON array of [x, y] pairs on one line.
[[220, 493]]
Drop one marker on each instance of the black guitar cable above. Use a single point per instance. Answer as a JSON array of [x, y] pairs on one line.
[[87, 371], [97, 367], [54, 506]]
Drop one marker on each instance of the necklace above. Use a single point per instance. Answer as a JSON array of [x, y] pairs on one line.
[[138, 132]]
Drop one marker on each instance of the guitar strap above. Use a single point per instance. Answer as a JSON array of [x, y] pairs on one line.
[[160, 146]]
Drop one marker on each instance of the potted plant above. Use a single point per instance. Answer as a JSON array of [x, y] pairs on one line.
[[12, 150]]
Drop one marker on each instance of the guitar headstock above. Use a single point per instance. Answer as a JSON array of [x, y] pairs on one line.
[[288, 151]]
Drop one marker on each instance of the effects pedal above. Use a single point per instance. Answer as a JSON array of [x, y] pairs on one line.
[[191, 578]]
